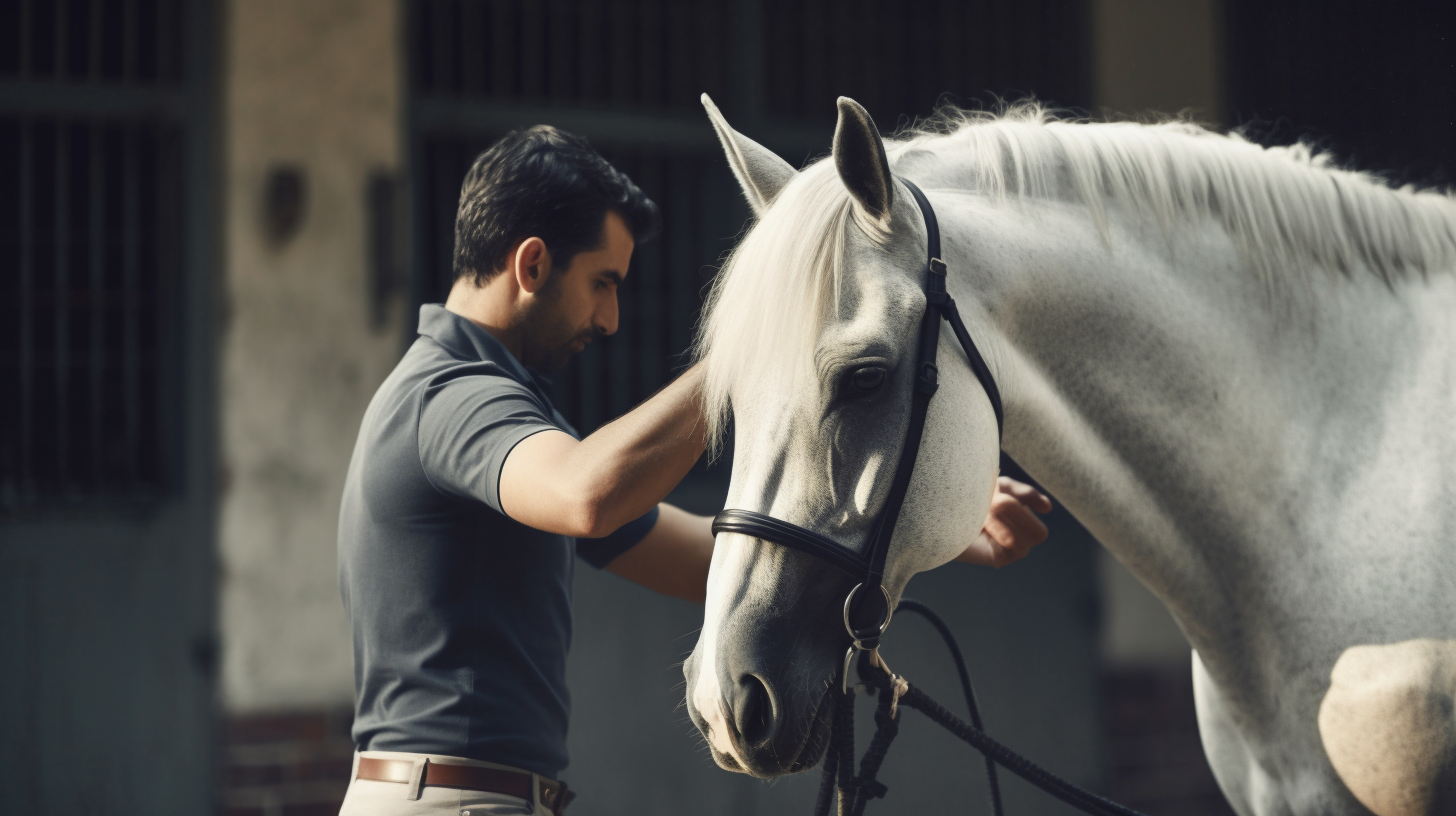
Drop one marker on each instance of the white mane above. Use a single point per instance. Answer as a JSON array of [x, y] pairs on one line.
[[1289, 208], [775, 291]]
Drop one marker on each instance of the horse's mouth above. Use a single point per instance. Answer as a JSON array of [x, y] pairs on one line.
[[768, 760]]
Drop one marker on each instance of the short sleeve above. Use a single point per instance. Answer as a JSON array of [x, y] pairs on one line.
[[599, 552], [468, 426]]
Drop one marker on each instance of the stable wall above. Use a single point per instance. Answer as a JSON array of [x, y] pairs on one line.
[[314, 85], [1153, 59]]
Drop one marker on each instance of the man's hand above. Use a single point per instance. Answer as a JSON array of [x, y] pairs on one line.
[[1011, 528]]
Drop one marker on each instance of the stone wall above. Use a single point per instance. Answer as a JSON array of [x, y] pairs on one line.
[[315, 87]]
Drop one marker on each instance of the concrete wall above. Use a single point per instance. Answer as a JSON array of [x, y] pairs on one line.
[[1155, 56], [317, 85], [1152, 57]]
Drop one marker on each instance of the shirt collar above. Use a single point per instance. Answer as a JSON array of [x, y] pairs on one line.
[[466, 340]]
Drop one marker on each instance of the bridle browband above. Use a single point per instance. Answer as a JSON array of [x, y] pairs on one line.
[[869, 567]]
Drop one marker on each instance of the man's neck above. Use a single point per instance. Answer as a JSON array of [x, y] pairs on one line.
[[491, 307]]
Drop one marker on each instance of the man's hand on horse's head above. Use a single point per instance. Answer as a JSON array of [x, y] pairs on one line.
[[1011, 528]]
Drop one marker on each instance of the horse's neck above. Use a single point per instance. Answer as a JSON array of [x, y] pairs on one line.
[[1196, 418]]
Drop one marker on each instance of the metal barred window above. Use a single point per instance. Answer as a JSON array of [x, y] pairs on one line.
[[901, 58], [642, 54], [90, 147], [627, 75]]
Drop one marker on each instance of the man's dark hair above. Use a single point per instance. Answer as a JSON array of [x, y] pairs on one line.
[[546, 183]]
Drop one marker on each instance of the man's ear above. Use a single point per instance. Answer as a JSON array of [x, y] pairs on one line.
[[531, 264]]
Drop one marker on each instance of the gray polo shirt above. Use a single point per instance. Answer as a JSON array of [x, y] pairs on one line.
[[461, 616]]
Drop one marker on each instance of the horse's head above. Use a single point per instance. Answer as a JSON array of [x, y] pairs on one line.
[[809, 341]]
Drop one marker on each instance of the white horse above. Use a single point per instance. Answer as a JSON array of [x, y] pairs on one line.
[[1232, 364]]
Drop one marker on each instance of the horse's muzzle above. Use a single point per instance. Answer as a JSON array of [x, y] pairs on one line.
[[762, 727]]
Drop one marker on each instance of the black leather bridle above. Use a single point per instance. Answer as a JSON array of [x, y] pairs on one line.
[[869, 566]]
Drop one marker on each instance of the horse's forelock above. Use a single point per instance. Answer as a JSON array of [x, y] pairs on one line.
[[768, 305]]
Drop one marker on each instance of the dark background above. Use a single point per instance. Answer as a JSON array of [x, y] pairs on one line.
[[1374, 83]]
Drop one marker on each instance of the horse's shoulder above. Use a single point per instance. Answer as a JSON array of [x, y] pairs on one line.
[[1388, 724]]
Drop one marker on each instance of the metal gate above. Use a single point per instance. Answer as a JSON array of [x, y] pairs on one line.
[[106, 519]]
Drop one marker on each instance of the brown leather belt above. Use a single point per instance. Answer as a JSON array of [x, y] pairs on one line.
[[553, 795]]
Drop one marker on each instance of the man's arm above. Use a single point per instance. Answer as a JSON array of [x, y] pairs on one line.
[[589, 488], [673, 558]]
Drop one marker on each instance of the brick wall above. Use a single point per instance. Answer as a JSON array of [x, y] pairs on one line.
[[1154, 753], [286, 764]]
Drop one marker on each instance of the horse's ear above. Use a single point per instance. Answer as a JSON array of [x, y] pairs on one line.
[[859, 155], [760, 171]]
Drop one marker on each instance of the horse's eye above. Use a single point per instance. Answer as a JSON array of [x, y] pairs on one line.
[[868, 378]]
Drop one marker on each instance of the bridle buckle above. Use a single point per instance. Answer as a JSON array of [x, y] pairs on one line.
[[864, 640]]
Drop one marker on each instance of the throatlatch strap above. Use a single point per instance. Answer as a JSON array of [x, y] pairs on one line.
[[947, 307]]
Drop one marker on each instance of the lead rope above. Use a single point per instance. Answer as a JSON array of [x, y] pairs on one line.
[[856, 790]]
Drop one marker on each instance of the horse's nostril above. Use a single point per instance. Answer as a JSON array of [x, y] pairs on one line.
[[754, 712]]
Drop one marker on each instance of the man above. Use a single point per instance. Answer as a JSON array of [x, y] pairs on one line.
[[468, 495]]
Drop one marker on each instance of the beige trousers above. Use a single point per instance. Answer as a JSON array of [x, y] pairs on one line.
[[367, 797]]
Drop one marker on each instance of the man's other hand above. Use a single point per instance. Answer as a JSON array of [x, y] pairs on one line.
[[1011, 528]]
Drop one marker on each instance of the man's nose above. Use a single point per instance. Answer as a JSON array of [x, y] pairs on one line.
[[606, 321]]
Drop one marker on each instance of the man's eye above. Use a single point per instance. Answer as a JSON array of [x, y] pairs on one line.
[[868, 378]]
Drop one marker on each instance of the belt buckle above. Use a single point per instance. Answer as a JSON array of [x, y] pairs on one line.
[[553, 795]]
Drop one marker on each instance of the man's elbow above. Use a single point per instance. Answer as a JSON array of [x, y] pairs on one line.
[[592, 517], [581, 520], [593, 500]]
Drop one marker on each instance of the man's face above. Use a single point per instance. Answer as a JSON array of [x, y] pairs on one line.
[[580, 302]]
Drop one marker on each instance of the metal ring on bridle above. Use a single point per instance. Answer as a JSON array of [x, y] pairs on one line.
[[849, 601], [857, 645]]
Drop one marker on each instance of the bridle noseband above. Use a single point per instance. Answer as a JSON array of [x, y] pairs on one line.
[[869, 567]]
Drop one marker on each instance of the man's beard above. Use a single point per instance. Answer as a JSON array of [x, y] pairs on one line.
[[550, 336]]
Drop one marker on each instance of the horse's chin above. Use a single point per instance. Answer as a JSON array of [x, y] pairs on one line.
[[767, 761]]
